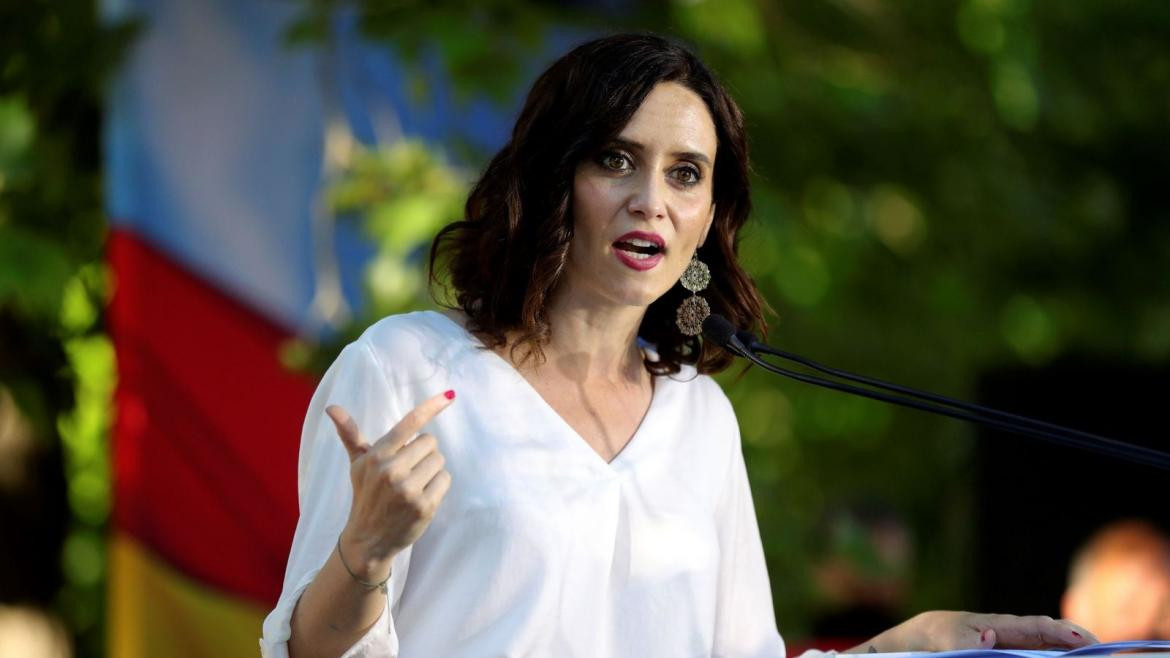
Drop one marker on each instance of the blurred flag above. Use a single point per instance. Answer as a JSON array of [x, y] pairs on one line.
[[215, 150]]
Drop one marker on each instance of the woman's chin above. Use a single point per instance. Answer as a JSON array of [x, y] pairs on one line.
[[641, 298], [615, 288]]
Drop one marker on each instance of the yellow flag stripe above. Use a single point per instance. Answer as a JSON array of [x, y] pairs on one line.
[[156, 611]]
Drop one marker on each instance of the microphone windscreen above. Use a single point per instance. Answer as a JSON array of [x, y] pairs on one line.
[[718, 329], [746, 337]]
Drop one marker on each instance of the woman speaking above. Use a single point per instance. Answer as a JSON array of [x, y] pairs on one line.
[[547, 469]]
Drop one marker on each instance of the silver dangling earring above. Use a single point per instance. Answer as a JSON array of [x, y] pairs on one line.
[[694, 309]]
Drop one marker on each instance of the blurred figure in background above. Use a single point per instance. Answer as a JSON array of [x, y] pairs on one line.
[[29, 632], [1119, 583]]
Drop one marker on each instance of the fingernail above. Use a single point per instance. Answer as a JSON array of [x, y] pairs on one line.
[[983, 636], [1076, 635], [450, 395]]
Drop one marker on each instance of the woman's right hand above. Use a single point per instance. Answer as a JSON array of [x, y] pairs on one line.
[[397, 486]]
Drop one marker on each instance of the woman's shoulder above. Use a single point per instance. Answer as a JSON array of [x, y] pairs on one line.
[[700, 393], [415, 328], [419, 338]]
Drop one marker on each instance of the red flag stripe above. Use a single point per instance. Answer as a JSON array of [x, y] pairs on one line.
[[208, 425]]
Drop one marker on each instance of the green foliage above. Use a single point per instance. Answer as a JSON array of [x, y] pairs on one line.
[[482, 45], [54, 355], [401, 196], [941, 188], [405, 194]]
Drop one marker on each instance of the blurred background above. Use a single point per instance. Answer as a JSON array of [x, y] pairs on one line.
[[201, 201]]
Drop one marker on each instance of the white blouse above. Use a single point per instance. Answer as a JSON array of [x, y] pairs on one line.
[[540, 548]]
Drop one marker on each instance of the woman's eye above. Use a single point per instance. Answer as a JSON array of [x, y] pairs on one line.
[[687, 175], [614, 161]]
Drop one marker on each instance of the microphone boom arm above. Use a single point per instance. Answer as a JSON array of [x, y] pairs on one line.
[[744, 344]]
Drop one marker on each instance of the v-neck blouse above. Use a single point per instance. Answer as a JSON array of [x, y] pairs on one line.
[[525, 389], [541, 547]]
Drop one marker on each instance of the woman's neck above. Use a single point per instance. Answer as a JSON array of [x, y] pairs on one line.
[[590, 342]]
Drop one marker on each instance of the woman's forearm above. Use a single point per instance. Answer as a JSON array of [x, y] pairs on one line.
[[335, 611]]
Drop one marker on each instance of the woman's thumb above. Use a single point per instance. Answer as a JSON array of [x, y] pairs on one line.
[[347, 431], [987, 638]]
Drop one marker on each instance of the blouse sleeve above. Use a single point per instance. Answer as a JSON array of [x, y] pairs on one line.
[[357, 382], [745, 624]]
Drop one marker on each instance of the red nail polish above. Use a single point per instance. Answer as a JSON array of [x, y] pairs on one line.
[[450, 395]]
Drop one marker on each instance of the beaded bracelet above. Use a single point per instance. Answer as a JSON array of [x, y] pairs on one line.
[[364, 583]]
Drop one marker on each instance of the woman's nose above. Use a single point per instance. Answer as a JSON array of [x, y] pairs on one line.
[[649, 198]]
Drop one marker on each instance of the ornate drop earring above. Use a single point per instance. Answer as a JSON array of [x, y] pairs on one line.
[[694, 309]]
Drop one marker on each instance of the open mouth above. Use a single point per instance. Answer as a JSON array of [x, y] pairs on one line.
[[639, 245], [638, 248]]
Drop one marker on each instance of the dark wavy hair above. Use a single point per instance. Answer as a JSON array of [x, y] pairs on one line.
[[506, 257]]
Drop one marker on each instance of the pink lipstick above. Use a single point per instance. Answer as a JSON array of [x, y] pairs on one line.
[[639, 250]]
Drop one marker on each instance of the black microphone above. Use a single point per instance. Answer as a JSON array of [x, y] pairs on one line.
[[720, 331], [739, 342]]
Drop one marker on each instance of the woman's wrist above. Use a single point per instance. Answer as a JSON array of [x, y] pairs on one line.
[[364, 563], [903, 637]]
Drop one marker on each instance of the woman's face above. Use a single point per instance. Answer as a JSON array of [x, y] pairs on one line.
[[643, 204]]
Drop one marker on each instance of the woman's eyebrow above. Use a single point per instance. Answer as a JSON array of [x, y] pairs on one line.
[[692, 155], [681, 155]]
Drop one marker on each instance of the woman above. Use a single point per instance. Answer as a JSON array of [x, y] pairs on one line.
[[577, 488]]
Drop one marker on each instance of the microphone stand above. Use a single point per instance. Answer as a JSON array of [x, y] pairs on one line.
[[744, 344]]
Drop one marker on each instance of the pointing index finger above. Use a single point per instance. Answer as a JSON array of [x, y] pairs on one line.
[[412, 422]]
